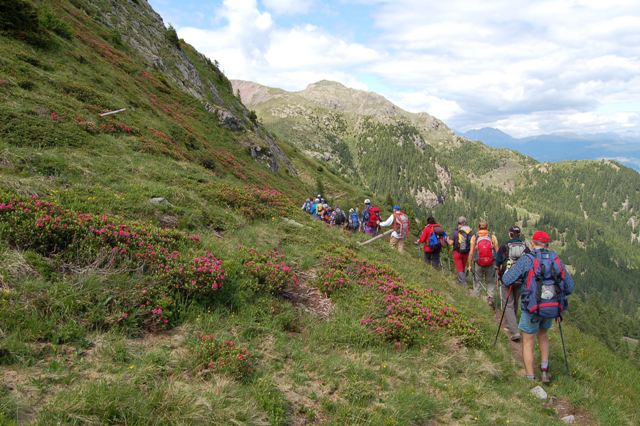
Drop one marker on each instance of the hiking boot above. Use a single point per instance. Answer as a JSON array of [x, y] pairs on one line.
[[515, 337], [545, 377]]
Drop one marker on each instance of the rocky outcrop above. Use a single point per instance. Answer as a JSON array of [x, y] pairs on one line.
[[144, 30], [444, 177], [225, 118], [426, 198]]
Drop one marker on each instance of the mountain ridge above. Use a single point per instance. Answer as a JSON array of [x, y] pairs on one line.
[[565, 146]]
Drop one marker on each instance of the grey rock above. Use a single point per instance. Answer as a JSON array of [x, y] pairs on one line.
[[539, 392], [569, 419], [168, 221], [228, 120], [144, 30], [293, 222], [159, 201]]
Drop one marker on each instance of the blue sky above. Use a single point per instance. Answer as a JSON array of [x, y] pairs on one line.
[[526, 67]]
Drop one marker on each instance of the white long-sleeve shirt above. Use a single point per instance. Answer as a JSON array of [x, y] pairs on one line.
[[390, 222]]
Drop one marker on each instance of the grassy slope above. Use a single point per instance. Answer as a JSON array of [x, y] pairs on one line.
[[58, 367]]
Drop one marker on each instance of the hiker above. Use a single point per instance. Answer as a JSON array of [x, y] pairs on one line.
[[338, 218], [326, 214], [314, 209], [308, 205], [461, 242], [434, 238], [507, 256], [318, 210], [365, 214], [401, 223], [370, 218], [354, 220], [546, 285], [482, 254]]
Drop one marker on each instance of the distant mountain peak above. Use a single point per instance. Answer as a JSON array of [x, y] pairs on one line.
[[489, 135], [326, 83]]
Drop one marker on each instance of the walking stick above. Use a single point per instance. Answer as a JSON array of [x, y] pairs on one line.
[[502, 317], [564, 348], [376, 238], [502, 302]]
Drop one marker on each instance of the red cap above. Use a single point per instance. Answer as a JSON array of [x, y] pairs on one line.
[[542, 237]]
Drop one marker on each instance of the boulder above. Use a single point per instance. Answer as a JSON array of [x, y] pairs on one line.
[[159, 201], [539, 392], [569, 419], [228, 120], [168, 221]]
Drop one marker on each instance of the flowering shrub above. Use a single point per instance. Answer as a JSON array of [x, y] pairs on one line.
[[201, 276], [331, 280], [255, 202], [402, 315], [272, 274], [222, 356], [413, 313], [84, 239]]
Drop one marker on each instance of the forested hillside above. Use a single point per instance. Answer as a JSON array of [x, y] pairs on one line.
[[591, 207], [156, 268]]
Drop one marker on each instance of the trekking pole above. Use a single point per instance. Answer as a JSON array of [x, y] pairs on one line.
[[376, 238], [502, 316], [564, 348], [502, 302]]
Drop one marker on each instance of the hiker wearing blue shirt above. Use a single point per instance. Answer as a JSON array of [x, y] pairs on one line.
[[316, 209], [308, 205], [546, 284]]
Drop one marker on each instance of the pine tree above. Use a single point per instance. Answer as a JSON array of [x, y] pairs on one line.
[[389, 200]]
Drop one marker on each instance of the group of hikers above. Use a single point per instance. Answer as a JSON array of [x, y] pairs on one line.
[[528, 275]]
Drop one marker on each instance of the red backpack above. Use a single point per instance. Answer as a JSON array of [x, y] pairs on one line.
[[401, 224], [484, 254], [374, 217]]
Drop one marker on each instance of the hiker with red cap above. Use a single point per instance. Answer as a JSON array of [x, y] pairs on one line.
[[546, 285], [484, 246]]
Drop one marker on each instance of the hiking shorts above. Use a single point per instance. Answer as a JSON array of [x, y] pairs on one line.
[[532, 323]]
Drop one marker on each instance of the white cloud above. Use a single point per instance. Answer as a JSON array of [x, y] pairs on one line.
[[588, 122], [250, 46], [525, 66], [289, 7], [517, 63], [426, 102]]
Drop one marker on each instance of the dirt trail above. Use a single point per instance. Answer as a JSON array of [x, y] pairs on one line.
[[563, 407]]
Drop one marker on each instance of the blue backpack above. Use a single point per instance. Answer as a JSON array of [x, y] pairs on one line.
[[437, 239], [366, 215], [309, 207], [355, 221], [545, 292]]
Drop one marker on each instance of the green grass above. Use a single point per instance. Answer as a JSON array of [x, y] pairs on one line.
[[66, 357]]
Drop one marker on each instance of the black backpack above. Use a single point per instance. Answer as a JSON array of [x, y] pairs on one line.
[[515, 251], [462, 245]]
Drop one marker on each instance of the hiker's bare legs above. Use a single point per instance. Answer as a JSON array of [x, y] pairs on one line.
[[543, 343], [528, 341]]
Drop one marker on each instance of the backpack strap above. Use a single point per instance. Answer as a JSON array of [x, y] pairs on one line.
[[532, 272], [563, 272]]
